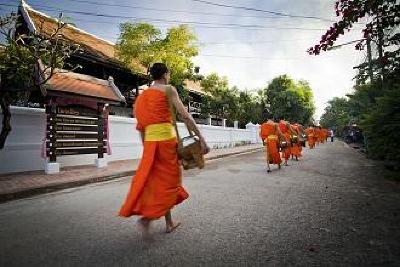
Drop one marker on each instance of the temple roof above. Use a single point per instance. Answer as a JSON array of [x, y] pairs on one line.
[[67, 83], [43, 24]]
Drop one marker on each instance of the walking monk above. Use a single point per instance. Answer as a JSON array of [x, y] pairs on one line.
[[270, 135], [310, 136], [326, 134], [287, 131], [157, 186], [317, 135], [296, 145]]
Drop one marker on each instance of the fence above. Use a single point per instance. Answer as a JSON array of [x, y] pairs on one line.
[[25, 143]]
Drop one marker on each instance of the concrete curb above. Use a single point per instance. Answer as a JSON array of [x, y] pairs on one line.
[[60, 186]]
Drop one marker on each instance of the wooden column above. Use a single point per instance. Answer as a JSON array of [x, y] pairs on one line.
[[100, 135]]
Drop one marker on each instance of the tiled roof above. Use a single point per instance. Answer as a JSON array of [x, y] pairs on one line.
[[83, 85], [46, 25]]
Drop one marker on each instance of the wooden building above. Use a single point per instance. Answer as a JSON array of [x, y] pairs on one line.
[[97, 57]]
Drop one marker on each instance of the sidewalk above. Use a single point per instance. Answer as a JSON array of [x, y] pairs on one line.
[[20, 185]]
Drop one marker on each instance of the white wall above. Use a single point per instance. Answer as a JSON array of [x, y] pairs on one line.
[[23, 147]]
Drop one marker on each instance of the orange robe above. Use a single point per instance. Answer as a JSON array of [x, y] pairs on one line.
[[270, 136], [156, 187], [285, 130], [325, 132], [317, 135], [310, 137], [296, 147]]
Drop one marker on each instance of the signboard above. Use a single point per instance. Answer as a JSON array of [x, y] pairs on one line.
[[74, 130]]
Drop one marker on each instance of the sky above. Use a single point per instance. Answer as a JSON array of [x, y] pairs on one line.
[[249, 57]]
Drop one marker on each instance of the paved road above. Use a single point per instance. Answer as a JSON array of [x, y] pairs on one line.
[[330, 209]]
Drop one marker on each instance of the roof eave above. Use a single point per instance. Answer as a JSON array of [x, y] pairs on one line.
[[22, 8], [115, 89]]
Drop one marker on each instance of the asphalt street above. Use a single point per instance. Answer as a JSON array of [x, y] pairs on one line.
[[331, 208]]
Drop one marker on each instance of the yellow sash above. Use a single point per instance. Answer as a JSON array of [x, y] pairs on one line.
[[272, 137], [159, 132]]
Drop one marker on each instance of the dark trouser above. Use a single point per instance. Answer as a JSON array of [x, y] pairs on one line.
[[331, 138]]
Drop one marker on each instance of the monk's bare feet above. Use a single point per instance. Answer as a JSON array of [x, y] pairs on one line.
[[144, 225], [172, 227]]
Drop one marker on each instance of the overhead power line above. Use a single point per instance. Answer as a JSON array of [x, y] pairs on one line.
[[174, 10], [270, 59], [197, 23], [282, 14]]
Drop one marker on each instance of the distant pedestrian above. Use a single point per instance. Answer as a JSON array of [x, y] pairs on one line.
[[331, 134]]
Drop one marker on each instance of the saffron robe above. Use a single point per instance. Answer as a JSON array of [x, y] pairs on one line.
[[156, 188], [270, 136], [296, 148], [285, 131], [310, 137]]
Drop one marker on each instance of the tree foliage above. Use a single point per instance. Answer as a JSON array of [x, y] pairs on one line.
[[283, 98], [383, 17], [290, 100], [336, 115], [374, 103], [27, 61], [382, 126], [144, 44], [230, 103]]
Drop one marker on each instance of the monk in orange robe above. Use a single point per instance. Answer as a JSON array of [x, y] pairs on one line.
[[317, 135], [270, 134], [322, 137], [296, 146], [310, 132], [287, 131], [326, 134], [157, 186]]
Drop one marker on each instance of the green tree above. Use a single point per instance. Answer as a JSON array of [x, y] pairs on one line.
[[375, 100], [232, 103], [218, 96], [289, 99], [250, 108], [144, 44], [336, 115], [381, 126]]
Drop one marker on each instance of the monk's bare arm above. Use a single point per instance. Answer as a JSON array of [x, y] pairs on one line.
[[281, 136], [187, 118], [291, 130], [302, 132]]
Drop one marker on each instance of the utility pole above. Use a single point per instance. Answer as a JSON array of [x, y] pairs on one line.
[[369, 54], [380, 47]]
